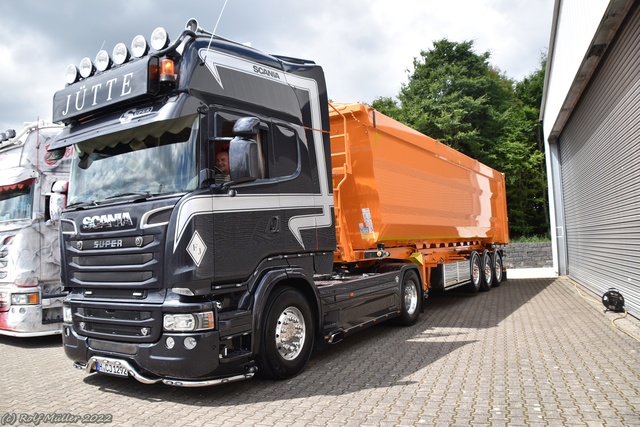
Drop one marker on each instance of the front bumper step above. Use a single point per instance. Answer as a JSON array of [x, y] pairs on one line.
[[90, 367]]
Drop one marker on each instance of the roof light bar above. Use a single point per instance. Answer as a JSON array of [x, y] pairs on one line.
[[121, 54]]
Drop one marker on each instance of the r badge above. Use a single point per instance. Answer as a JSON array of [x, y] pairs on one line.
[[196, 248]]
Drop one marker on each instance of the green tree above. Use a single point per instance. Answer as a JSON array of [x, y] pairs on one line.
[[455, 95], [520, 155]]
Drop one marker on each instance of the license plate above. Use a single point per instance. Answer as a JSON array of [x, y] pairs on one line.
[[107, 367]]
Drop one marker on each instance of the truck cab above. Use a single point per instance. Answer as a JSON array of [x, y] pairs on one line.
[[32, 194], [165, 256]]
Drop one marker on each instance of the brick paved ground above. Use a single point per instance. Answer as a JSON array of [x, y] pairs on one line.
[[531, 352]]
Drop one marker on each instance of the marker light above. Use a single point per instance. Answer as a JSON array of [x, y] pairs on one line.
[[86, 67], [67, 316], [159, 38], [139, 47], [167, 70], [103, 61], [71, 75], [120, 54]]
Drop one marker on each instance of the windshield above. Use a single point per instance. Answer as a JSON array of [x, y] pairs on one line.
[[148, 165], [15, 203]]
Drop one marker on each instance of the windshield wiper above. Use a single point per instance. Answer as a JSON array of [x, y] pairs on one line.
[[145, 195], [82, 205]]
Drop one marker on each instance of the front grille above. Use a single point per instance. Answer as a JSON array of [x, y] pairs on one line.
[[113, 276], [131, 261], [118, 321], [114, 314], [106, 260], [117, 330]]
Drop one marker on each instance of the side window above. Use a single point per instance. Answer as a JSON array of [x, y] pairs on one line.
[[223, 122], [286, 150], [277, 145]]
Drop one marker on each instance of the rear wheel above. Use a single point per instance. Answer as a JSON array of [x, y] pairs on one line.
[[498, 275], [287, 335], [410, 294], [487, 271], [476, 276]]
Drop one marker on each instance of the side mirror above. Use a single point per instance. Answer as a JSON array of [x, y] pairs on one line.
[[244, 155], [244, 163], [58, 200]]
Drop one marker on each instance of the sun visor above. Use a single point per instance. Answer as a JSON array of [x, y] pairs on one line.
[[133, 124], [13, 176]]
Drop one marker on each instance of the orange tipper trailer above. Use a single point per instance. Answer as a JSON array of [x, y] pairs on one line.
[[403, 195]]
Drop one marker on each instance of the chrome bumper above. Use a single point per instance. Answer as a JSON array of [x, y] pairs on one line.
[[89, 367]]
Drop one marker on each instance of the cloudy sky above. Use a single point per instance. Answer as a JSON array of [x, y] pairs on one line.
[[366, 47]]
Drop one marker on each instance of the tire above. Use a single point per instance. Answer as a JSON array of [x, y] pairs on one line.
[[498, 273], [487, 271], [475, 270], [410, 292], [288, 332]]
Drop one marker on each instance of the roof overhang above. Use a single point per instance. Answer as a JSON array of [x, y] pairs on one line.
[[612, 19]]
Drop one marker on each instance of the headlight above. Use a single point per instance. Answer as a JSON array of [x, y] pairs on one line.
[[103, 60], [25, 299], [86, 67], [66, 314], [159, 39], [186, 322], [120, 54], [72, 74], [139, 47]]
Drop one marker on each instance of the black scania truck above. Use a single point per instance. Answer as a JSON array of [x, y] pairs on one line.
[[177, 270]]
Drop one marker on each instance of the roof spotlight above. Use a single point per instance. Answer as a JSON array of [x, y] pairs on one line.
[[139, 46], [159, 38], [72, 74], [86, 67], [103, 61], [120, 54]]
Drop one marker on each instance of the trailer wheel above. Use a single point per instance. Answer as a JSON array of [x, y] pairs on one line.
[[287, 335], [410, 299], [487, 271], [476, 273], [498, 275]]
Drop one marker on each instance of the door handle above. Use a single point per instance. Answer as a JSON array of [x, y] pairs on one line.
[[273, 225]]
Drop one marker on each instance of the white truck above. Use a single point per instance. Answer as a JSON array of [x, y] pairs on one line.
[[32, 195]]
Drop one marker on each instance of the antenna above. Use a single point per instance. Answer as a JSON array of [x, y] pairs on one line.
[[216, 27]]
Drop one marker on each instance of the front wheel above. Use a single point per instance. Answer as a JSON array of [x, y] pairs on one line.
[[287, 335], [410, 299]]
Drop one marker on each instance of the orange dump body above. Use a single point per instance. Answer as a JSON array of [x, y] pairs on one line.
[[420, 198]]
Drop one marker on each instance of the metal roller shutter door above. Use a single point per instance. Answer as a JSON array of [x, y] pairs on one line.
[[600, 165]]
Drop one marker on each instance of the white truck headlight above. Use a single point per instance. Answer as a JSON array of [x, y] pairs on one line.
[[188, 322], [25, 299]]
